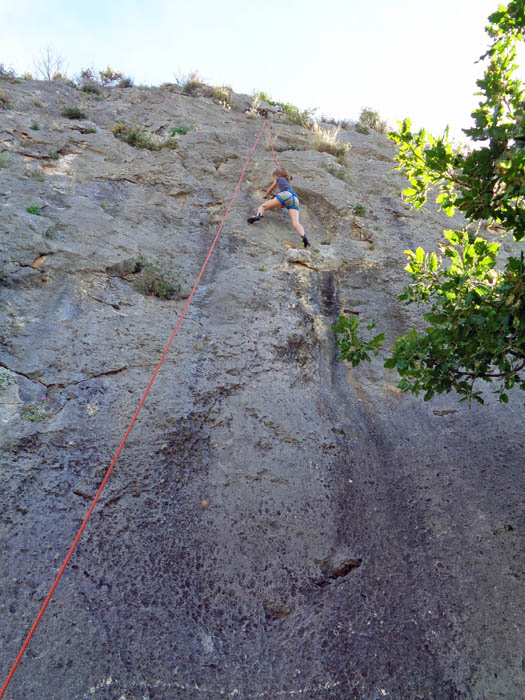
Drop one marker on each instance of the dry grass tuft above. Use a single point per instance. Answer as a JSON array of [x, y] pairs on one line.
[[325, 141]]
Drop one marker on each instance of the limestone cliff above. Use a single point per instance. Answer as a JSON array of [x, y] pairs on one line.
[[355, 542]]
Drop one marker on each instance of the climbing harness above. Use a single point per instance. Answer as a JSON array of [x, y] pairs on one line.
[[135, 415]]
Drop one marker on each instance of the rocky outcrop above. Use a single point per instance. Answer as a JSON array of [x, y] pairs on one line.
[[278, 525]]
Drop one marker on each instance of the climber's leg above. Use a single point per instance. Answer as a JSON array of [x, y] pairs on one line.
[[270, 204], [294, 216]]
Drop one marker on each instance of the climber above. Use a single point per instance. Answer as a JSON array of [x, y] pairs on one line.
[[284, 197]]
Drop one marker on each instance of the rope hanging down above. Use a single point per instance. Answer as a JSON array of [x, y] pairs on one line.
[[271, 144], [135, 415]]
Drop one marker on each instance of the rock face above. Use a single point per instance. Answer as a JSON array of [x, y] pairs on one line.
[[278, 525]]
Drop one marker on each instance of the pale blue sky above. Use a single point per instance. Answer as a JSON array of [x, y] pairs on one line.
[[402, 57]]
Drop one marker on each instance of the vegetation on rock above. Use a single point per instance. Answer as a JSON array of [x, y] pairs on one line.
[[74, 113], [293, 114], [139, 137], [325, 141], [37, 410], [156, 280], [6, 378]]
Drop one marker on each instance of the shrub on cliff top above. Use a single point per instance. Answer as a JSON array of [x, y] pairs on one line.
[[190, 84], [110, 77], [293, 114], [370, 119]]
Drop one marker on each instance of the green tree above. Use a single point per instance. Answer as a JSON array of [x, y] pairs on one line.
[[476, 316]]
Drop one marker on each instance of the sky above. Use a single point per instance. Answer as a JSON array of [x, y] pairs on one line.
[[403, 58]]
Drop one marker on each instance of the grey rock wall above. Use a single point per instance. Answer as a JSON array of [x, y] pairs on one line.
[[278, 525]]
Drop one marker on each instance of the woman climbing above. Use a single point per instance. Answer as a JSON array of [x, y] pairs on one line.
[[284, 197]]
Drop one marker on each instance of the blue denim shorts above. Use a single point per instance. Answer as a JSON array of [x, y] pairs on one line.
[[288, 199]]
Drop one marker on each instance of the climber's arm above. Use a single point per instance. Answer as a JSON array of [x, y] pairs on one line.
[[271, 188]]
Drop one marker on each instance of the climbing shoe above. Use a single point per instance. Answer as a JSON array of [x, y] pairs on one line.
[[253, 219], [306, 242]]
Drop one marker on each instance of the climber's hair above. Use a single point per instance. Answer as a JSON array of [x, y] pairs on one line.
[[282, 172]]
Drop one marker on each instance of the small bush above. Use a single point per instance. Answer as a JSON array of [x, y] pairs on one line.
[[54, 155], [87, 76], [156, 280], [27, 76], [179, 130], [91, 89], [136, 136], [33, 209], [295, 116], [90, 130], [253, 111], [5, 160], [264, 97], [358, 209], [362, 129], [223, 96], [325, 141], [61, 77], [126, 83], [190, 84], [292, 113], [35, 126], [370, 119], [74, 113], [35, 173], [110, 77]]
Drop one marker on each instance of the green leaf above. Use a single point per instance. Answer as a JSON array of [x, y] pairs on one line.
[[436, 319], [452, 237]]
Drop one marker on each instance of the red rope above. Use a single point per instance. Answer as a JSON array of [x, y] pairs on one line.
[[135, 415], [274, 157]]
